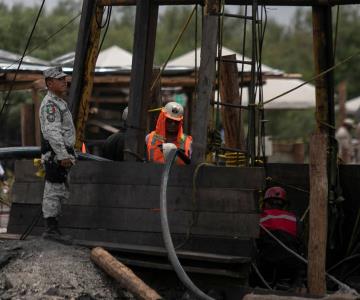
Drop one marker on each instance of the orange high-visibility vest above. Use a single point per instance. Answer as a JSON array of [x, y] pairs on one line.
[[157, 137], [279, 220], [154, 151]]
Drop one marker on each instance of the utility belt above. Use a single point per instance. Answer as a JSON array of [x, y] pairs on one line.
[[54, 172]]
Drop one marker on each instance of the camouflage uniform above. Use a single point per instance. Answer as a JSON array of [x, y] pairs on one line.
[[58, 130]]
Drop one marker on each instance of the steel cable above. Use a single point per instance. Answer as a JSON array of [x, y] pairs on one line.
[[22, 57]]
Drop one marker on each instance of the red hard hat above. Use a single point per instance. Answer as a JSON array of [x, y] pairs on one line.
[[275, 192]]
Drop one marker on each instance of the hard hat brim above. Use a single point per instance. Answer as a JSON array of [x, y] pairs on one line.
[[173, 118], [61, 75]]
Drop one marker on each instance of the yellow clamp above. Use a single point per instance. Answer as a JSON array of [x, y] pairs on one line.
[[40, 168]]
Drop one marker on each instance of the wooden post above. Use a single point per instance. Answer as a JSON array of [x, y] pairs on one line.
[[206, 81], [84, 66], [318, 215], [342, 100], [322, 152], [229, 91], [27, 125], [141, 74], [123, 275], [37, 103], [155, 101]]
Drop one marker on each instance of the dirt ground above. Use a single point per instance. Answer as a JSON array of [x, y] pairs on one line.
[[39, 269]]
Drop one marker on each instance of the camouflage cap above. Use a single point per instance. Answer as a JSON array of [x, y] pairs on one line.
[[54, 72]]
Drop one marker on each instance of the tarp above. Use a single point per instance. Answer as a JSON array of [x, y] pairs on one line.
[[352, 106], [113, 56], [302, 98], [10, 58], [188, 60]]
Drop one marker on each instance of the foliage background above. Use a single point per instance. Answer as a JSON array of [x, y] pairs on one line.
[[288, 48]]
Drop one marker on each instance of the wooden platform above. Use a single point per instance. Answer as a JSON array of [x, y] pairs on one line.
[[118, 202]]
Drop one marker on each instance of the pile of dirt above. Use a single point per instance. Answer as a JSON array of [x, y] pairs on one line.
[[40, 269]]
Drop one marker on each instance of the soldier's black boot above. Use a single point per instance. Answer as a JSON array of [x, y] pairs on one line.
[[53, 233]]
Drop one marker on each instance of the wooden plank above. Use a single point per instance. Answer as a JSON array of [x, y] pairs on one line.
[[155, 101], [141, 74], [27, 125], [146, 197], [87, 12], [37, 102], [189, 269], [87, 86], [128, 173], [146, 220], [205, 84], [160, 251], [318, 215], [229, 91], [216, 245], [30, 193]]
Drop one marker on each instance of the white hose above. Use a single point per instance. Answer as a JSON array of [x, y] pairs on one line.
[[166, 232]]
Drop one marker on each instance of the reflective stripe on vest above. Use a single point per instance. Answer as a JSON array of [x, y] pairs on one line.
[[155, 153], [281, 220], [153, 138]]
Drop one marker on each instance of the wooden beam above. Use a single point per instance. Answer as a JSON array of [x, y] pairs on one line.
[[237, 2], [342, 100], [324, 59], [155, 102], [229, 91], [23, 76], [318, 215], [84, 66], [141, 75], [206, 83], [36, 100], [27, 125], [123, 275]]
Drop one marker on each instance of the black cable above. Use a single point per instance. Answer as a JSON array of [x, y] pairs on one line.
[[33, 223], [107, 22], [101, 26], [47, 39], [22, 57]]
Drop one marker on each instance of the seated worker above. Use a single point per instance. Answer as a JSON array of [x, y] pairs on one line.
[[113, 147], [274, 261], [168, 134]]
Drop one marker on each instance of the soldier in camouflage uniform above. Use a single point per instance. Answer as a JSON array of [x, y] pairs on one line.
[[57, 148]]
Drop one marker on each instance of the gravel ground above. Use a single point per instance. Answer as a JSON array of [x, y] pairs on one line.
[[40, 269]]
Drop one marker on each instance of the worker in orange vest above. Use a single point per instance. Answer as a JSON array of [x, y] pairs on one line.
[[168, 135]]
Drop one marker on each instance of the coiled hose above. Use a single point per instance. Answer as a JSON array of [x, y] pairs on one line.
[[166, 232]]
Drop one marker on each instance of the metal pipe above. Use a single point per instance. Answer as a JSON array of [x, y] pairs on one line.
[[34, 152]]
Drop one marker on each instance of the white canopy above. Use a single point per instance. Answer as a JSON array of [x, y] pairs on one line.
[[188, 60], [114, 57], [301, 98], [352, 105], [110, 57]]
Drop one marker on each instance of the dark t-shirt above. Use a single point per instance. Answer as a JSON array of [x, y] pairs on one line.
[[113, 147]]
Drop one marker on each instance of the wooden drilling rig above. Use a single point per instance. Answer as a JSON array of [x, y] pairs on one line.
[[117, 201]]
